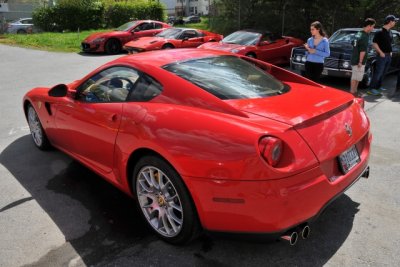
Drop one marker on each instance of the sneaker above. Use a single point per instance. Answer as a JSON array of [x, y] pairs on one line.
[[374, 92], [382, 89]]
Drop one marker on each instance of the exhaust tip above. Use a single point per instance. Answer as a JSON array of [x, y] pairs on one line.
[[366, 173], [291, 238], [305, 232]]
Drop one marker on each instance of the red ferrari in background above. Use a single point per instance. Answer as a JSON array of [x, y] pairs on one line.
[[113, 41], [264, 46], [173, 38], [206, 139]]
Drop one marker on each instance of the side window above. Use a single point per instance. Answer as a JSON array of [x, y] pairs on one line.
[[188, 34], [396, 39], [157, 26], [110, 85], [145, 89], [144, 27]]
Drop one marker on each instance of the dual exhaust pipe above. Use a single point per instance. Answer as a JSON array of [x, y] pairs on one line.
[[292, 236]]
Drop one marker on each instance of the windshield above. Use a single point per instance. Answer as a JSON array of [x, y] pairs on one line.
[[242, 38], [171, 33], [227, 77], [345, 37], [126, 26]]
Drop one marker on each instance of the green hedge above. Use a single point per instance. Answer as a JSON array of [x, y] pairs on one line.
[[120, 13], [89, 14]]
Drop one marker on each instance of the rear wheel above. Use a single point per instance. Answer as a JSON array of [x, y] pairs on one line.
[[167, 46], [38, 135], [164, 201], [112, 47]]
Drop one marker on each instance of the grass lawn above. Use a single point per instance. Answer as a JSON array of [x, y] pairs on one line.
[[50, 41], [65, 42]]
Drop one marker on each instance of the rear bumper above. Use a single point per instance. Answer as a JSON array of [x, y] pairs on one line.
[[271, 206]]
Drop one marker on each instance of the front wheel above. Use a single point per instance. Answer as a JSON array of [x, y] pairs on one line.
[[38, 135], [113, 47], [369, 73], [164, 201], [252, 55]]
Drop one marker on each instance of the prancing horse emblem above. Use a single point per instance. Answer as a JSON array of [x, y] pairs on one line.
[[349, 131]]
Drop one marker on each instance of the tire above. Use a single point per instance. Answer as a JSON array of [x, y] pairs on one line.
[[252, 55], [21, 31], [38, 135], [167, 46], [112, 47], [164, 201], [369, 73]]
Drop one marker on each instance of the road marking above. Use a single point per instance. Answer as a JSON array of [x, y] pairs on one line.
[[16, 130]]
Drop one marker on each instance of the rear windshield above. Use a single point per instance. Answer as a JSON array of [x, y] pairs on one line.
[[228, 77]]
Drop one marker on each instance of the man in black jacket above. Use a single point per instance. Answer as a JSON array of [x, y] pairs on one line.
[[382, 43]]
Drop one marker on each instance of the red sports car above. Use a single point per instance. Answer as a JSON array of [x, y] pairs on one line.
[[173, 38], [206, 139], [264, 46], [113, 41]]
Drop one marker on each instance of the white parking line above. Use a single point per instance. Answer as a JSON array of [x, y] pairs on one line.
[[16, 130]]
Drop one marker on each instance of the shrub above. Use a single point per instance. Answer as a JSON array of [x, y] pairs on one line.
[[92, 14], [122, 12]]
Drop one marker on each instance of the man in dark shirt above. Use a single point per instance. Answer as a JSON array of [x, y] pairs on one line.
[[358, 57], [382, 43]]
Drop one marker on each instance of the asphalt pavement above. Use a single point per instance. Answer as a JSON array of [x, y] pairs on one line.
[[55, 212]]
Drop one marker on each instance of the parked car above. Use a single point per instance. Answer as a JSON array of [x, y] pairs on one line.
[[173, 38], [192, 19], [112, 42], [207, 139], [20, 26], [263, 45], [338, 64]]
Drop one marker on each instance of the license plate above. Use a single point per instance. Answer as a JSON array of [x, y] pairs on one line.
[[349, 159], [325, 72]]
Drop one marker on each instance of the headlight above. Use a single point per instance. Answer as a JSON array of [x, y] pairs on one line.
[[346, 64], [303, 59], [298, 58], [98, 40]]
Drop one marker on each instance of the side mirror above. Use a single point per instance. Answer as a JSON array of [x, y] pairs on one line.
[[60, 90], [185, 39]]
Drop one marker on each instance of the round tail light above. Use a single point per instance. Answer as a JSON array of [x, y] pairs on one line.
[[271, 149]]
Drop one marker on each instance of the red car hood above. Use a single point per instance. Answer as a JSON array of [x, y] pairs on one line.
[[317, 114], [106, 35], [222, 46], [144, 42]]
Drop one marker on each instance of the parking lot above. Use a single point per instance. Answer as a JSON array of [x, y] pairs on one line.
[[55, 212]]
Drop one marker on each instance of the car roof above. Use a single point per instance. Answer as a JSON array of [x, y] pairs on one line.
[[160, 58]]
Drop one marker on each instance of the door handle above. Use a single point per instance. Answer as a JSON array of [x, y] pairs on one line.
[[113, 117]]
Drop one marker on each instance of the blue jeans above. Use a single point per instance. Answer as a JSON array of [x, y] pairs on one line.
[[381, 67]]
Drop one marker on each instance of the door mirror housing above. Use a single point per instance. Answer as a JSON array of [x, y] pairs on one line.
[[60, 90]]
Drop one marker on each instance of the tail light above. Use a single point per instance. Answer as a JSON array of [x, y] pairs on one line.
[[271, 149]]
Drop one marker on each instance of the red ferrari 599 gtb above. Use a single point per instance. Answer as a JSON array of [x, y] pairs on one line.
[[211, 140]]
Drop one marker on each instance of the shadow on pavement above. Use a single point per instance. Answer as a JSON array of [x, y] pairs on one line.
[[114, 234], [85, 54]]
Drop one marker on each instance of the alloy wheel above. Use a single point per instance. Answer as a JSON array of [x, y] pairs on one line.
[[159, 201], [35, 127]]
